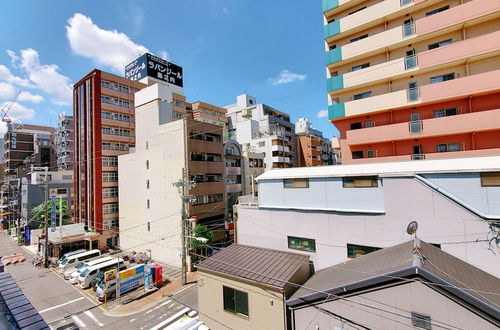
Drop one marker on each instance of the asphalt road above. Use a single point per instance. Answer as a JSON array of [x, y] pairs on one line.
[[64, 306]]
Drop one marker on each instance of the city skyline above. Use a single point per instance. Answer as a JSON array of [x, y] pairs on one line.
[[287, 58]]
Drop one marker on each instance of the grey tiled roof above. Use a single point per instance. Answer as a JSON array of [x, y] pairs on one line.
[[270, 267], [391, 263]]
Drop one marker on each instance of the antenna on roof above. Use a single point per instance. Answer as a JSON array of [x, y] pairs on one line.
[[411, 229]]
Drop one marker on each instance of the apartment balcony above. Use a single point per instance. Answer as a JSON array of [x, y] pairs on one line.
[[233, 187], [278, 159], [369, 16], [460, 51], [118, 138], [394, 100], [280, 148], [206, 188], [248, 200], [117, 123], [451, 125], [457, 16], [374, 74], [201, 167], [110, 200], [230, 170], [389, 39], [207, 210]]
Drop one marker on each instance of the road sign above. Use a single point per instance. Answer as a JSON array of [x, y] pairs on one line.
[[27, 234], [53, 214]]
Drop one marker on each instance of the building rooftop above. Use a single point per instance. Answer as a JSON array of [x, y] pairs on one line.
[[442, 270], [270, 267], [471, 164]]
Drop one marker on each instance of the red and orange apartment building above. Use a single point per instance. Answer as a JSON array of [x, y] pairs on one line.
[[413, 79]]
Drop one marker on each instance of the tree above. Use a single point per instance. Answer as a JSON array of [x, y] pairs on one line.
[[201, 237], [39, 213]]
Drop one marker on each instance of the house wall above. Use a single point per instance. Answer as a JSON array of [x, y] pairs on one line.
[[402, 200], [391, 308], [265, 307]]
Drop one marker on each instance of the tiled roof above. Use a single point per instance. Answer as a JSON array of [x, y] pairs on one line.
[[444, 270], [270, 267]]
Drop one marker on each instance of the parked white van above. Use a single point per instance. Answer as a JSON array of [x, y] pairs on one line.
[[76, 258], [73, 278], [69, 270], [90, 273]]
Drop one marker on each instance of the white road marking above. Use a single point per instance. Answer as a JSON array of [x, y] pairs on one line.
[[92, 316], [57, 306], [78, 321], [170, 319], [162, 304]]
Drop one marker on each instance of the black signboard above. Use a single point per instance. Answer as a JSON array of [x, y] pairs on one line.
[[155, 67]]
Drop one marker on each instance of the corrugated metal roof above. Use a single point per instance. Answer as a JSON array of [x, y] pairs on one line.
[[265, 266], [471, 164], [376, 265]]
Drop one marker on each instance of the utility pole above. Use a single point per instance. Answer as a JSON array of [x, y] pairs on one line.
[[46, 217], [184, 185]]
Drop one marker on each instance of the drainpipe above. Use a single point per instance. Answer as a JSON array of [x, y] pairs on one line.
[[393, 148], [470, 103], [473, 141]]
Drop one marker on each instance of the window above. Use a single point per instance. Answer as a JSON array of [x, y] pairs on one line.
[[304, 244], [110, 208], [147, 164], [148, 204], [443, 77], [490, 179], [147, 145], [357, 154], [440, 44], [356, 125], [296, 183], [149, 226], [362, 95], [110, 176], [360, 182], [109, 161], [208, 199], [420, 320], [110, 192], [435, 11], [359, 67], [115, 101], [354, 251], [147, 184], [359, 38], [262, 144], [445, 112], [369, 123], [370, 154], [235, 301], [447, 147]]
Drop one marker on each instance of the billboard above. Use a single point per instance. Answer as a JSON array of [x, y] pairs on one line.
[[110, 276], [131, 278], [148, 65]]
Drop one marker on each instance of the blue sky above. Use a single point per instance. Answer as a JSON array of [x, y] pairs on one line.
[[271, 49]]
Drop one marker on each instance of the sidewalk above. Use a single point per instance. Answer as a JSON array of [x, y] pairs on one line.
[[145, 303]]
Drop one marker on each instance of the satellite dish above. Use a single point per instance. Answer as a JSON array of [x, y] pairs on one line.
[[412, 228]]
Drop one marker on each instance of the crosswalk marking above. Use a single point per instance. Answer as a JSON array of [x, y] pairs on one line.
[[170, 319], [78, 321], [92, 316], [57, 306]]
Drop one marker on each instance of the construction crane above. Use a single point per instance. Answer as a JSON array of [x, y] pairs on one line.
[[6, 108]]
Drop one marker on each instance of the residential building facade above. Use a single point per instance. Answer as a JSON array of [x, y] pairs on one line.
[[312, 148], [169, 152], [261, 128], [64, 142], [104, 128], [233, 174], [413, 79], [253, 166], [334, 213]]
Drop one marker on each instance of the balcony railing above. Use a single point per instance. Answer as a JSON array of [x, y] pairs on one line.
[[416, 126], [410, 62], [248, 200], [408, 29], [417, 156], [413, 94]]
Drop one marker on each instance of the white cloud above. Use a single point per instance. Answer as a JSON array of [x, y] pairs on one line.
[[6, 75], [285, 77], [105, 47], [322, 113], [45, 77], [8, 92], [13, 57], [164, 55], [18, 111]]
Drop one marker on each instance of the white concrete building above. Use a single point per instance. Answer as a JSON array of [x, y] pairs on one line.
[[261, 128], [333, 213]]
